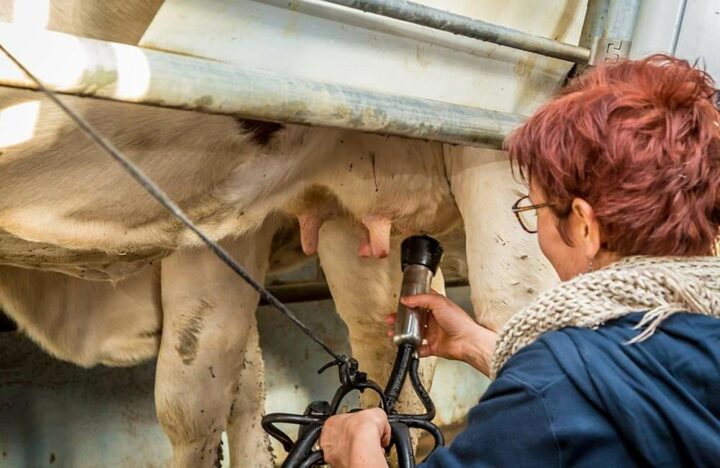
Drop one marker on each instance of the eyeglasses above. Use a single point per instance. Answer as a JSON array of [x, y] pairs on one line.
[[526, 213]]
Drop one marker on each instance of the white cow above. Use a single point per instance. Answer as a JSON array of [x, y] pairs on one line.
[[69, 215]]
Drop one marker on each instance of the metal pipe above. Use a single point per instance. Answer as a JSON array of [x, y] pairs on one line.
[[595, 22], [400, 29], [621, 19], [677, 27], [422, 15], [319, 290], [612, 38], [88, 67]]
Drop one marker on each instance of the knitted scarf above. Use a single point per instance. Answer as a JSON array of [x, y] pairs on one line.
[[658, 286]]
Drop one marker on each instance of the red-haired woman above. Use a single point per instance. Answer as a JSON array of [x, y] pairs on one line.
[[619, 365]]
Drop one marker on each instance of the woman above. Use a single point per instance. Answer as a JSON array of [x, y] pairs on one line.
[[619, 365]]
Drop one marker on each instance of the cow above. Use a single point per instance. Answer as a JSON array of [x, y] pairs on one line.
[[96, 272]]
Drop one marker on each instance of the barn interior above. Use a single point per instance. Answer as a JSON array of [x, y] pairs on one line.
[[319, 63]]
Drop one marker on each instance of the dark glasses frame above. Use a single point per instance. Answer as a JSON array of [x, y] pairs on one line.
[[517, 209]]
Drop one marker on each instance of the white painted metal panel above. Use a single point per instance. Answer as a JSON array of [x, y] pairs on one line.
[[690, 29], [699, 37], [374, 53], [656, 23]]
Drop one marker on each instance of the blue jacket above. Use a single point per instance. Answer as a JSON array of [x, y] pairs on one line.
[[582, 398]]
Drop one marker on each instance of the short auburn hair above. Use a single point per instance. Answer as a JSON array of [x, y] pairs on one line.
[[639, 141]]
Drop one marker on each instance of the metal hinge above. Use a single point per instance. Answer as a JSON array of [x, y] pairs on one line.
[[609, 50]]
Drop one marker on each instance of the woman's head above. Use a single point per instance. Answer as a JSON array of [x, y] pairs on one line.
[[629, 157]]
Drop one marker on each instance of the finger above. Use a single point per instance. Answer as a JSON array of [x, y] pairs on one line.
[[386, 436], [424, 351], [326, 430], [391, 333], [391, 318], [426, 301]]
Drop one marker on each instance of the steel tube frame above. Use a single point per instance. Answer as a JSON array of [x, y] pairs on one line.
[[609, 28], [621, 19], [422, 15], [184, 82], [307, 291]]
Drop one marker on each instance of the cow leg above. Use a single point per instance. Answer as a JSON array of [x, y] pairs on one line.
[[249, 444], [365, 290], [505, 266], [208, 314]]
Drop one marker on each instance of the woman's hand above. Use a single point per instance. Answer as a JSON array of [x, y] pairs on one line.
[[451, 333], [356, 440]]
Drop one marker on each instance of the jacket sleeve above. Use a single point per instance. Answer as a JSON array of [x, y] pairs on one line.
[[509, 427]]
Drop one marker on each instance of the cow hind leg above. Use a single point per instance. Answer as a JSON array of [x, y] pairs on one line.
[[249, 444], [208, 314], [505, 266], [365, 291]]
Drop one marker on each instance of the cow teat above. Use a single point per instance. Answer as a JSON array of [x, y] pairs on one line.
[[376, 236]]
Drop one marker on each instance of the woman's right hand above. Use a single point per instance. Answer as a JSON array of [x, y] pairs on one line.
[[451, 333]]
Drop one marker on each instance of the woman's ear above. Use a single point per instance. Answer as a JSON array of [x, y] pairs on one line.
[[585, 227]]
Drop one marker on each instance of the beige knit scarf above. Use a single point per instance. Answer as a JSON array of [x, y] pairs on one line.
[[658, 286]]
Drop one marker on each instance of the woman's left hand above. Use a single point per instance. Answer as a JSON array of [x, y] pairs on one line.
[[356, 440]]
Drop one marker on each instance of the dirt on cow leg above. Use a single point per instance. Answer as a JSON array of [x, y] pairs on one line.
[[249, 447], [208, 323]]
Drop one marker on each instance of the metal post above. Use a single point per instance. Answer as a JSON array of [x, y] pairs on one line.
[[595, 22], [87, 67], [613, 41], [678, 26], [422, 15], [622, 17]]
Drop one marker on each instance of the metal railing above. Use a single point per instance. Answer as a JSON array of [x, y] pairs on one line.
[[422, 15], [183, 82]]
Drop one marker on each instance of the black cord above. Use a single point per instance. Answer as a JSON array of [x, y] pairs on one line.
[[175, 210]]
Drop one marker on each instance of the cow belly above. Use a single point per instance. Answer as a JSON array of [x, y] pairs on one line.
[[57, 187], [86, 322], [84, 264]]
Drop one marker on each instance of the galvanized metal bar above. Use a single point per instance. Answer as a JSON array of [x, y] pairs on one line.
[[677, 27], [319, 290], [87, 67], [422, 15], [595, 22], [399, 29], [612, 41], [621, 20]]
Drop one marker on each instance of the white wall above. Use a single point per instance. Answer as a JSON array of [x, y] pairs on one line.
[[689, 29], [699, 36]]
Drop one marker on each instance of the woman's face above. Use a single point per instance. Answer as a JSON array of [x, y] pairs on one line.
[[568, 260]]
